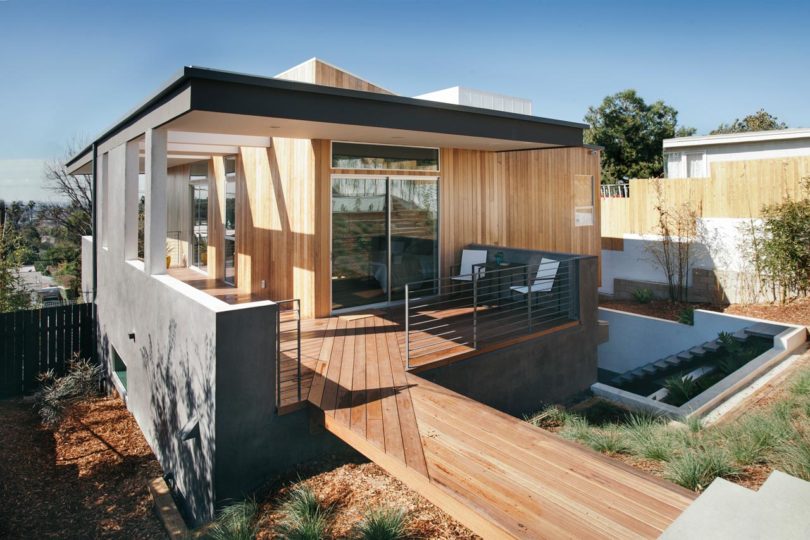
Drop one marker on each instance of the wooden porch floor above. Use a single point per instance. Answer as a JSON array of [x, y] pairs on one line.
[[496, 474]]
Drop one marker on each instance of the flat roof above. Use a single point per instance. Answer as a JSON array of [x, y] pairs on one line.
[[738, 138], [228, 92]]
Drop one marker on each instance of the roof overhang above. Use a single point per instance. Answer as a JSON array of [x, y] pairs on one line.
[[202, 100], [738, 138]]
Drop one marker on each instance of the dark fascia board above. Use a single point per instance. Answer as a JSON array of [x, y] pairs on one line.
[[237, 93]]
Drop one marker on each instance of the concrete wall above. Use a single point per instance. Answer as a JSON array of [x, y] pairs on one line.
[[193, 360], [720, 263], [520, 379], [636, 340]]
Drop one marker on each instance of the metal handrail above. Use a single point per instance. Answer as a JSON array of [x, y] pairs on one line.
[[296, 309], [428, 301], [614, 190]]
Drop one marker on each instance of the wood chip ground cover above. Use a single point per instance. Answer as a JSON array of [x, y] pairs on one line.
[[352, 487], [87, 479]]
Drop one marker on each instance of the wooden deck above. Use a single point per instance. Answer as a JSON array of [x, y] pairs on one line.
[[496, 474]]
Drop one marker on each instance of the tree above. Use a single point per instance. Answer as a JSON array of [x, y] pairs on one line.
[[632, 133], [759, 121], [13, 294]]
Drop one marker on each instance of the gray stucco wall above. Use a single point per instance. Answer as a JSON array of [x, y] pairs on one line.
[[194, 358], [520, 379]]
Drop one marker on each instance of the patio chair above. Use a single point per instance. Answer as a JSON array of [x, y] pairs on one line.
[[543, 282], [470, 258]]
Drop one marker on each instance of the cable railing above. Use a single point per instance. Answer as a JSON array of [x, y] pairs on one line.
[[614, 190], [458, 314], [288, 349]]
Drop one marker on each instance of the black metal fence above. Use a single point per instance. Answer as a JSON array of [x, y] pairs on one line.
[[34, 341]]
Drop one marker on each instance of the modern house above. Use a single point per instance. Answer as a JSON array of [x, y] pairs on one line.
[[275, 250], [692, 157]]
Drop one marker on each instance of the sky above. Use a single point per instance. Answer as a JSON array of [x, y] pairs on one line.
[[72, 68]]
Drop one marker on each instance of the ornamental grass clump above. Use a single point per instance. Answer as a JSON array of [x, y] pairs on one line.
[[58, 394], [383, 524], [695, 469], [236, 522], [304, 517]]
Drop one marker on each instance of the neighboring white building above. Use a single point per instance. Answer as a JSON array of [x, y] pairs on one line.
[[691, 157], [460, 95]]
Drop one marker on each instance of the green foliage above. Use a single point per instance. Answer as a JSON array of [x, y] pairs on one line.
[[687, 316], [236, 522], [608, 440], [681, 389], [753, 437], [694, 455], [759, 121], [695, 469], [383, 524], [649, 437], [643, 295], [304, 517], [794, 456], [631, 132], [13, 295], [57, 394], [783, 247]]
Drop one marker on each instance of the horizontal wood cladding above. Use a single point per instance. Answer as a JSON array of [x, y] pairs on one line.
[[735, 189]]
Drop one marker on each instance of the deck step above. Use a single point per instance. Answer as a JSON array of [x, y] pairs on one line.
[[685, 355], [697, 351], [662, 364], [740, 335], [673, 360], [649, 368]]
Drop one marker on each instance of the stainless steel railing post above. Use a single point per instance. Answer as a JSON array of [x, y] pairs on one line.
[[407, 326]]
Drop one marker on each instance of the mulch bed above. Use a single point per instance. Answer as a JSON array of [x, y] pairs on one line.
[[350, 488], [86, 479], [662, 309]]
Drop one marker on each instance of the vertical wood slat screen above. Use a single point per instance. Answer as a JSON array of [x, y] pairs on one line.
[[34, 341]]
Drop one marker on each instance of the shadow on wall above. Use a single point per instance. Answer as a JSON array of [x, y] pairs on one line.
[[171, 382]]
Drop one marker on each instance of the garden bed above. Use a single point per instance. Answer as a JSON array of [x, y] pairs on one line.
[[86, 479], [350, 489], [769, 430]]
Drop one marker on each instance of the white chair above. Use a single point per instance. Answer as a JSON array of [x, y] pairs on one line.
[[470, 259], [544, 280]]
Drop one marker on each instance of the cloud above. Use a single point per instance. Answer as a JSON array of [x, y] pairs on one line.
[[24, 179]]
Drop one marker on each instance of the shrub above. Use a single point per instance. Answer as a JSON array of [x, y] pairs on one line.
[[681, 389], [687, 316], [59, 393], [236, 522], [643, 295], [382, 524], [551, 416], [696, 469], [304, 517], [576, 428]]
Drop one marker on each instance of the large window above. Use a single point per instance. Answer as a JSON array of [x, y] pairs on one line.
[[230, 221], [384, 236], [378, 156], [199, 214]]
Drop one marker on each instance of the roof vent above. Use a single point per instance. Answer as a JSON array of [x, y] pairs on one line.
[[460, 95]]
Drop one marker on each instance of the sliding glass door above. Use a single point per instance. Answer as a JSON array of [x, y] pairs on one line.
[[384, 235]]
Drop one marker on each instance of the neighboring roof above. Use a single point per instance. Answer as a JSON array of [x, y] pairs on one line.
[[237, 93], [738, 138]]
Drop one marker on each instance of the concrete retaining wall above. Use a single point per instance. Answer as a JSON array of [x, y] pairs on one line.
[[636, 340]]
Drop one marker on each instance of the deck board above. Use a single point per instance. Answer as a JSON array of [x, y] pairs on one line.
[[498, 475]]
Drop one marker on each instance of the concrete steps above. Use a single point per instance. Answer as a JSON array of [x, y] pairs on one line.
[[660, 365], [726, 510]]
